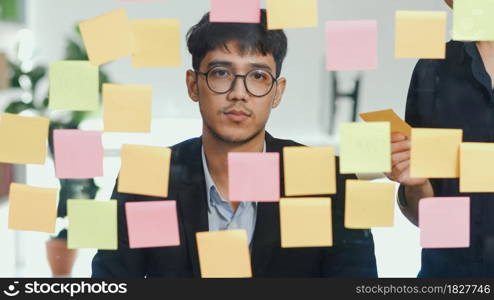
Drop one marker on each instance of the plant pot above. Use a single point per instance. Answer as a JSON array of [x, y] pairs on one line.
[[60, 258]]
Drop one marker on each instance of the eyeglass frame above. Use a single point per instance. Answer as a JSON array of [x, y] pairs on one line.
[[244, 77]]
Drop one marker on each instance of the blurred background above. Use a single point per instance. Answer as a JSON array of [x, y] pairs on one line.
[[34, 33]]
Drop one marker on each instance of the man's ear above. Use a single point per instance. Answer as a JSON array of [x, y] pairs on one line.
[[192, 88], [280, 89]]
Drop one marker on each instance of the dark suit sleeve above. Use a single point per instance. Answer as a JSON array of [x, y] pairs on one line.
[[124, 262], [352, 254]]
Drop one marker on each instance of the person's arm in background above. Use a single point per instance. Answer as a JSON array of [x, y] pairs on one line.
[[420, 102]]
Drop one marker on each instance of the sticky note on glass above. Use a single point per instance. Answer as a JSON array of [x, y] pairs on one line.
[[369, 204], [145, 170], [351, 45], [472, 20], [435, 153], [224, 254], [444, 222], [235, 11], [254, 177], [23, 139], [74, 85], [309, 171], [388, 115], [420, 34], [92, 224], [32, 208], [476, 163], [127, 108], [152, 224], [365, 147], [78, 154], [291, 13], [107, 37], [306, 222], [157, 43]]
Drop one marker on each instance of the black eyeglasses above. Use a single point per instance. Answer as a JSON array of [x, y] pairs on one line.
[[221, 80]]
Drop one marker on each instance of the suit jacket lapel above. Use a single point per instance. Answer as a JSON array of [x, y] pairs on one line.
[[267, 231], [192, 199]]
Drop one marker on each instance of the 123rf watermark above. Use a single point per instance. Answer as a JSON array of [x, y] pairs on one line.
[[64, 288]]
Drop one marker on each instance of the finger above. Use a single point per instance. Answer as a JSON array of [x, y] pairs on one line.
[[400, 146], [400, 168], [397, 137], [399, 157]]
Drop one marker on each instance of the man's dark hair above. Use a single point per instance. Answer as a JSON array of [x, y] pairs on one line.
[[249, 37]]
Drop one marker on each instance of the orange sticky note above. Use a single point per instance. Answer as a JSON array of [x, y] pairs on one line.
[[32, 208], [369, 204], [420, 34], [309, 171], [224, 254], [145, 170], [23, 139], [291, 13], [388, 115], [476, 165], [435, 153], [127, 108], [107, 37], [306, 222], [157, 43]]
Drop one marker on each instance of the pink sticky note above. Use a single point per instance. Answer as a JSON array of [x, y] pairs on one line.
[[78, 154], [152, 224], [235, 11], [254, 177], [444, 222], [351, 45]]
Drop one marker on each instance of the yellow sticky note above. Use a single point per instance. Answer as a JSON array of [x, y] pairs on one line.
[[23, 139], [291, 13], [32, 208], [107, 37], [472, 20], [157, 43], [388, 115], [365, 147], [306, 222], [476, 165], [309, 171], [435, 153], [420, 34], [92, 224], [369, 204], [224, 254], [145, 170], [127, 108]]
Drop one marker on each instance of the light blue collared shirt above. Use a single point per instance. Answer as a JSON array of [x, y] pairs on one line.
[[221, 215]]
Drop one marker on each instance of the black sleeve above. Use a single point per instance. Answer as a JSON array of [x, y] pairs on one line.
[[352, 254], [124, 262]]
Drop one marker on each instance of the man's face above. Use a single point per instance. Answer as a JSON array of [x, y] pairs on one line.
[[236, 116]]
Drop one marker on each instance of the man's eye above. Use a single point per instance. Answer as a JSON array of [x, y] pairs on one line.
[[259, 75], [220, 73]]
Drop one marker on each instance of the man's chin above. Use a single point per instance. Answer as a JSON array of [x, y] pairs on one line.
[[236, 137]]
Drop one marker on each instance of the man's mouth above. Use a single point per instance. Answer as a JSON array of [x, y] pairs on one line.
[[237, 115]]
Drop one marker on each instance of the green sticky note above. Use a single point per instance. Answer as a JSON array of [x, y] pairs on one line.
[[365, 147], [92, 224], [74, 85], [473, 20]]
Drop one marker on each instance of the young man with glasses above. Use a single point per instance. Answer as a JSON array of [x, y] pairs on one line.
[[236, 83]]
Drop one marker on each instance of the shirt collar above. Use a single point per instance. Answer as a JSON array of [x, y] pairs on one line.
[[209, 179]]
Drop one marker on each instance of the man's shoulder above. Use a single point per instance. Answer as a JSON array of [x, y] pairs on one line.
[[277, 144], [454, 50]]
